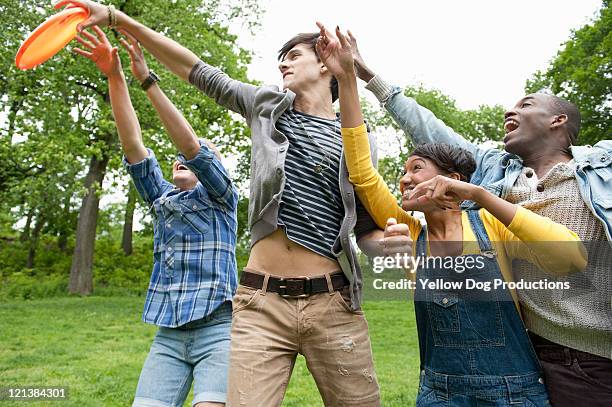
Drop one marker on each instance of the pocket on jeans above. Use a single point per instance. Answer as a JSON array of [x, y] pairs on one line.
[[585, 370], [536, 401], [426, 397], [343, 297], [244, 297]]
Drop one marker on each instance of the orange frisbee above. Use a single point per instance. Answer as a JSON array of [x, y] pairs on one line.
[[50, 37]]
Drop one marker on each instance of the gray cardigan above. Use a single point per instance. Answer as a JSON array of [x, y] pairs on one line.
[[261, 106]]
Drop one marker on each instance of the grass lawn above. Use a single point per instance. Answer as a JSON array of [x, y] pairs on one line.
[[96, 347]]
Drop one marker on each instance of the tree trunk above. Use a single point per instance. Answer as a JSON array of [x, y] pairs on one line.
[[128, 223], [40, 222], [25, 236], [81, 273], [62, 240]]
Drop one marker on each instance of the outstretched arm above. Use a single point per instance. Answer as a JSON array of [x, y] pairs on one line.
[[227, 92], [336, 54], [100, 51], [174, 56], [448, 193], [180, 131], [201, 159], [141, 163], [420, 124]]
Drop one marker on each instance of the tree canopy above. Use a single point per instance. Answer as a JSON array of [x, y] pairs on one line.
[[581, 72]]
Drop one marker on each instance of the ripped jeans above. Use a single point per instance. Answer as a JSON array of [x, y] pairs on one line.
[[268, 331]]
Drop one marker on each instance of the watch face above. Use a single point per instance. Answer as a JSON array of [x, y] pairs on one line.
[[150, 80]]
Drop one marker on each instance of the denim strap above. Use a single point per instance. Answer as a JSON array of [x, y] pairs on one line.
[[514, 384], [481, 234], [421, 244]]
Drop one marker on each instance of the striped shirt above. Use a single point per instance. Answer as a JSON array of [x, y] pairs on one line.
[[311, 209], [194, 242]]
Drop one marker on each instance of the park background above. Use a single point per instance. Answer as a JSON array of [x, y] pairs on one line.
[[76, 241]]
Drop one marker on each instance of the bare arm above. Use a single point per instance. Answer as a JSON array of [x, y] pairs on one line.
[[100, 51], [178, 59], [232, 94], [126, 120], [180, 131], [171, 54]]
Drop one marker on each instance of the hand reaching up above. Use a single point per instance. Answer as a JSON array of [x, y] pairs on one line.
[[335, 52], [138, 65], [100, 51], [361, 69]]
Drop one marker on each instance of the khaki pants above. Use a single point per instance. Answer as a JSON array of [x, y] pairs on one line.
[[268, 331]]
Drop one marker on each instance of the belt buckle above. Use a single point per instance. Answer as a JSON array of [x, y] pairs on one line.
[[293, 284]]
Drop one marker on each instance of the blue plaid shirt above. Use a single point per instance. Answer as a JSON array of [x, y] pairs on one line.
[[194, 269]]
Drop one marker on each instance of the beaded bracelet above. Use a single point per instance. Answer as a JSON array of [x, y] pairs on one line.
[[112, 16]]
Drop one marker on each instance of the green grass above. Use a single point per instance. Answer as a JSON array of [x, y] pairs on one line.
[[96, 347]]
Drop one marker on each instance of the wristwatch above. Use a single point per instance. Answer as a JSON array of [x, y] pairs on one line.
[[150, 80]]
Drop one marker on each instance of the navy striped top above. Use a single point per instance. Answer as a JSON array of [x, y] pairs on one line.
[[311, 209]]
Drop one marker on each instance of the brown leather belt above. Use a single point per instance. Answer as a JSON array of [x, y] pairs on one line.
[[299, 287]]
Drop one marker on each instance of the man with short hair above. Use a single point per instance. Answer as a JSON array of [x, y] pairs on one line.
[[542, 170], [301, 289]]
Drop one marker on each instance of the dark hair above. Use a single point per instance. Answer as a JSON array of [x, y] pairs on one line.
[[561, 106], [448, 159], [309, 39]]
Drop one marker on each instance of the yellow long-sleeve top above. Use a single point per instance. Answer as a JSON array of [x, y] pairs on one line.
[[526, 226]]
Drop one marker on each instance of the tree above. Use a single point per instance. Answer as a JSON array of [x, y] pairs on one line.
[[582, 73], [59, 121], [128, 221]]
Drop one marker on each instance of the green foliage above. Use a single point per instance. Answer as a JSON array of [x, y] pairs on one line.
[[58, 116], [114, 273], [582, 73]]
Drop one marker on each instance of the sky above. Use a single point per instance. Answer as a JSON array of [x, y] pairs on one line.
[[476, 51]]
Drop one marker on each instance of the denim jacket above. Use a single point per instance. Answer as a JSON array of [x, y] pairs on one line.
[[498, 170]]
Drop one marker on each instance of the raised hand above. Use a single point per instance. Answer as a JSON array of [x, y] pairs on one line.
[[335, 52], [138, 65], [98, 13], [361, 69], [100, 51]]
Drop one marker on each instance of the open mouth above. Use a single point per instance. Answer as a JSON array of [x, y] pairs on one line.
[[181, 167], [407, 192], [510, 125]]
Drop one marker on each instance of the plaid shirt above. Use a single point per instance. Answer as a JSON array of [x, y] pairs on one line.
[[194, 269]]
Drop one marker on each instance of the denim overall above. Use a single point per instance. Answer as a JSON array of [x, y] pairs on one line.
[[473, 345]]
